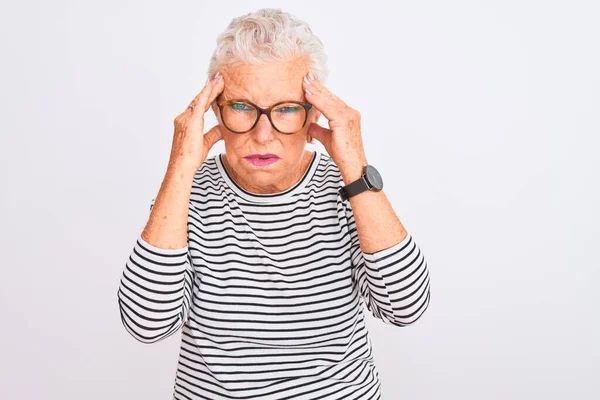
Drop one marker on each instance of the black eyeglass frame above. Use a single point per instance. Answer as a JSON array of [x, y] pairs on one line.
[[261, 111]]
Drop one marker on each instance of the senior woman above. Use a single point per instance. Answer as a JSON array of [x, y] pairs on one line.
[[264, 256]]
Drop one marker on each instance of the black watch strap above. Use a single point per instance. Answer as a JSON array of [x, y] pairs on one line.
[[352, 189]]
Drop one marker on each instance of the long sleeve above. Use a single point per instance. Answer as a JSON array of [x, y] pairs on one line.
[[393, 282], [155, 291]]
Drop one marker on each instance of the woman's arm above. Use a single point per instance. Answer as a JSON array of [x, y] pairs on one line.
[[389, 268], [167, 224], [157, 284], [155, 290]]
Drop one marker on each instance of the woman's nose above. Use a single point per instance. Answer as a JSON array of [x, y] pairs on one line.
[[263, 131]]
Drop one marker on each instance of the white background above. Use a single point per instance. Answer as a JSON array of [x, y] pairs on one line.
[[482, 116]]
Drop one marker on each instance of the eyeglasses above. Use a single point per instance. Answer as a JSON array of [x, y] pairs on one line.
[[241, 116]]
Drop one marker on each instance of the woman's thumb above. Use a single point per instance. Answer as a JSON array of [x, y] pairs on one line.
[[318, 132], [211, 137]]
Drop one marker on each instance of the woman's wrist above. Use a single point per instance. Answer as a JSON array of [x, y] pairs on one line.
[[181, 169]]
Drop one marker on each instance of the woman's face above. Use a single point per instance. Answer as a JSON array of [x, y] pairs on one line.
[[265, 85]]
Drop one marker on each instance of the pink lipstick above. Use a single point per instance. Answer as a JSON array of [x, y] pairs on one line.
[[261, 160]]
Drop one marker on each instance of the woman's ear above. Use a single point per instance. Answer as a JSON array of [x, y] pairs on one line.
[[310, 139], [316, 116]]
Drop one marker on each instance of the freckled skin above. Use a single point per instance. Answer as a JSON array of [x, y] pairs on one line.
[[266, 85]]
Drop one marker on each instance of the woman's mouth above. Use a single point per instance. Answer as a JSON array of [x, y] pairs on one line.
[[262, 159]]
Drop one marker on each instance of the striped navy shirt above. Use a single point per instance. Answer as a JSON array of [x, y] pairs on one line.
[[268, 294]]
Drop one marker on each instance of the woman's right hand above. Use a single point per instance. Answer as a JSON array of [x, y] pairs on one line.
[[190, 144]]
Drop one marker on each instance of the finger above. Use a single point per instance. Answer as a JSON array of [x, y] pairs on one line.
[[199, 102], [316, 131], [217, 89], [331, 106], [196, 98], [211, 138]]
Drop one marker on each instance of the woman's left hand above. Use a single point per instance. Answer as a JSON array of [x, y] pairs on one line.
[[343, 140]]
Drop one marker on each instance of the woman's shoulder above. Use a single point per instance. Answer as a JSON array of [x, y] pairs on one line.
[[209, 165], [208, 173]]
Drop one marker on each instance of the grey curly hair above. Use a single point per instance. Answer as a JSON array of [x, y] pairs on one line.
[[265, 36]]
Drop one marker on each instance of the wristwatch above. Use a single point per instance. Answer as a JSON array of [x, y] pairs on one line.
[[370, 180]]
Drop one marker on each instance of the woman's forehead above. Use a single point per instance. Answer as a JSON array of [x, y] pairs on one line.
[[263, 98], [265, 84]]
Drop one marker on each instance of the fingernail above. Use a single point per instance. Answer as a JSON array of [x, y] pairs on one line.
[[311, 76], [308, 92], [216, 74], [306, 81]]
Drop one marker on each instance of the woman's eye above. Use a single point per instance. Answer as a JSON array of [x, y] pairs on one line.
[[288, 109], [239, 107]]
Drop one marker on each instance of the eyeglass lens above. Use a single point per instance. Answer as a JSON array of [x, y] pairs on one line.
[[286, 117]]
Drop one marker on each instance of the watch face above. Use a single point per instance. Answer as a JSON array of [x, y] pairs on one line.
[[373, 177]]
